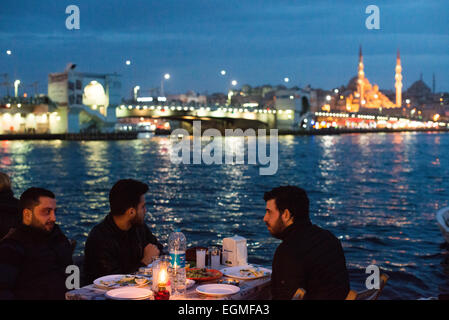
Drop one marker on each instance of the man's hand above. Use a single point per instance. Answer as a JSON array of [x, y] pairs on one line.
[[149, 253]]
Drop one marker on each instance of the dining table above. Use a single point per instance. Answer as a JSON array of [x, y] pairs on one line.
[[254, 289]]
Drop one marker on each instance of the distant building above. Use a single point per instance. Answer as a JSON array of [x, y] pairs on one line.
[[217, 98], [29, 115], [187, 98], [290, 104], [365, 96], [85, 101]]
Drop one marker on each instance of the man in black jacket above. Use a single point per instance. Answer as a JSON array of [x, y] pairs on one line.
[[9, 207], [122, 242], [34, 257], [309, 257]]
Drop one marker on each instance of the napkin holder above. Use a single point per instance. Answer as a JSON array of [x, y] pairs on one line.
[[235, 251]]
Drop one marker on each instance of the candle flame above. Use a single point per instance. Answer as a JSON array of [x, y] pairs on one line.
[[162, 276]]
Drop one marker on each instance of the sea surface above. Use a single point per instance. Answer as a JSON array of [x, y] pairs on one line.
[[378, 193]]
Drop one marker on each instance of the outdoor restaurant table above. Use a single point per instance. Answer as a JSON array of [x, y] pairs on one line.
[[257, 289]]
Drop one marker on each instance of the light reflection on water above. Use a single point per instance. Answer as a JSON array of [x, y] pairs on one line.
[[377, 192]]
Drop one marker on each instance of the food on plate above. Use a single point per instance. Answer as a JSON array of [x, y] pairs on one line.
[[203, 273], [128, 280], [251, 272]]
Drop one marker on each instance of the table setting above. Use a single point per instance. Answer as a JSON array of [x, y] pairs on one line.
[[206, 278]]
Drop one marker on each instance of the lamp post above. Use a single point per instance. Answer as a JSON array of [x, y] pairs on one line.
[[231, 93], [165, 77], [136, 92], [16, 88]]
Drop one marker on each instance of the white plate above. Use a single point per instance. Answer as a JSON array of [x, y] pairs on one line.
[[107, 282], [129, 293], [234, 272], [217, 290]]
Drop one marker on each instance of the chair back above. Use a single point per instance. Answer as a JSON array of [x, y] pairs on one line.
[[299, 294], [352, 295]]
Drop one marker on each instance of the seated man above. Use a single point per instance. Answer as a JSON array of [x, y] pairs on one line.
[[9, 207], [122, 242], [308, 257], [34, 257]]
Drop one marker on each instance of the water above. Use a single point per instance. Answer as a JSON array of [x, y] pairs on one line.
[[377, 192]]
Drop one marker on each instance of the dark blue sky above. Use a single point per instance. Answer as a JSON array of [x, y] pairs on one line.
[[257, 42]]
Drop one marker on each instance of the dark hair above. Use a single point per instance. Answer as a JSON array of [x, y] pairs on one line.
[[292, 198], [30, 197], [126, 194]]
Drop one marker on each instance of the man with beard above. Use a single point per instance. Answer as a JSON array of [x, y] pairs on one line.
[[122, 242], [309, 257], [34, 256]]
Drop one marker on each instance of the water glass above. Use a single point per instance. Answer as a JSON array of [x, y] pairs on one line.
[[214, 253], [200, 258]]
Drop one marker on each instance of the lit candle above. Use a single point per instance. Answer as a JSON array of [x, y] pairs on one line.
[[162, 278], [163, 293]]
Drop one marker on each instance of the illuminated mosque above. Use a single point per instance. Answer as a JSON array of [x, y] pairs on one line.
[[367, 96]]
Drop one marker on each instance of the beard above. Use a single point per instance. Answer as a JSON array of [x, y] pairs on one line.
[[277, 229], [46, 227], [138, 220]]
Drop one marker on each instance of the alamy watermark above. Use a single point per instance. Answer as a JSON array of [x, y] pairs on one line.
[[373, 20], [259, 152], [73, 20], [73, 280], [373, 281]]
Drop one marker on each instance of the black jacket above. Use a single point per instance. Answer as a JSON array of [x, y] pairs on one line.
[[110, 250], [9, 212], [33, 264], [310, 258]]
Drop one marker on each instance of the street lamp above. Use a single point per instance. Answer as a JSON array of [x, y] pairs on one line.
[[8, 52], [234, 82], [286, 80], [166, 77], [136, 90], [223, 72], [16, 88], [128, 62]]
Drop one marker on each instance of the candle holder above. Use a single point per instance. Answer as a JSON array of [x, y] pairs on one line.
[[161, 279], [163, 293]]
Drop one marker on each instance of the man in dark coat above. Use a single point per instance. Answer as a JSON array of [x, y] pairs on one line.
[[309, 257], [122, 242], [9, 207], [34, 257]]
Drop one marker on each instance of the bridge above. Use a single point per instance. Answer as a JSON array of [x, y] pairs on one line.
[[219, 117]]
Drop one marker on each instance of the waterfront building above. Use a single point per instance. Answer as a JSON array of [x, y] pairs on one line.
[[86, 102], [20, 115]]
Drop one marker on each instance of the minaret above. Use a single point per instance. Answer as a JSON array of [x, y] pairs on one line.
[[398, 84], [361, 76]]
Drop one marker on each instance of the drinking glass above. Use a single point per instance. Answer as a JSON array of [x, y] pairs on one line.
[[200, 258], [214, 253]]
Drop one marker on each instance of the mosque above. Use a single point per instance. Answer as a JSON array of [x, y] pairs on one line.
[[365, 95]]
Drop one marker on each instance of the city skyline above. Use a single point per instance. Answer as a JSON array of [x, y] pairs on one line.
[[255, 44]]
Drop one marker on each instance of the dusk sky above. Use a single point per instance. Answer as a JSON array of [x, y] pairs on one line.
[[257, 42]]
